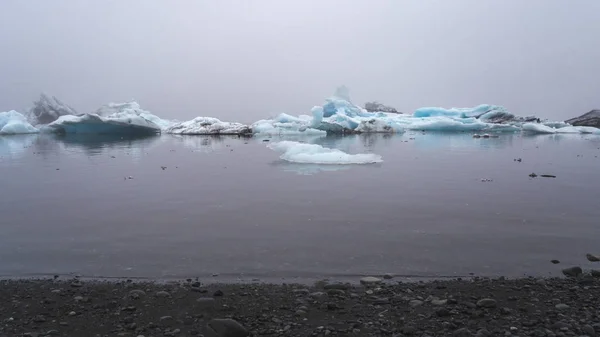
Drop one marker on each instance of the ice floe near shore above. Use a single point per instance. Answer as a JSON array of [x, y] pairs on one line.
[[303, 153]]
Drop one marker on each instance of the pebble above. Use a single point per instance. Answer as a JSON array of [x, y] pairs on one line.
[[442, 312], [218, 293], [415, 303], [166, 319], [206, 301], [137, 293], [463, 332], [592, 258], [555, 261], [227, 328], [562, 306], [303, 292], [340, 286], [439, 302], [370, 280], [336, 292], [588, 330], [388, 276], [163, 294], [486, 303], [572, 271]]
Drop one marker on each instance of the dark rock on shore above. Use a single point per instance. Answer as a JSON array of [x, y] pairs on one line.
[[572, 271], [591, 118], [474, 307]]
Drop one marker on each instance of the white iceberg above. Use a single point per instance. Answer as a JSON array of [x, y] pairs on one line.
[[286, 125], [12, 123], [208, 126], [94, 124], [126, 110], [539, 128], [296, 152], [123, 118], [48, 109]]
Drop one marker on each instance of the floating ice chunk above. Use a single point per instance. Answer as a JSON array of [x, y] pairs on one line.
[[120, 123], [129, 109], [537, 128], [447, 124], [284, 125], [48, 109], [545, 129], [480, 110], [208, 126], [12, 122], [316, 154]]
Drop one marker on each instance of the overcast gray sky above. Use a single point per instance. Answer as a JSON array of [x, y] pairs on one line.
[[247, 60]]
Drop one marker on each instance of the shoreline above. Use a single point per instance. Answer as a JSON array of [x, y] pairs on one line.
[[479, 306]]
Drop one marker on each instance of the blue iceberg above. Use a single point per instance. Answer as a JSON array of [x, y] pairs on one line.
[[12, 123], [123, 118]]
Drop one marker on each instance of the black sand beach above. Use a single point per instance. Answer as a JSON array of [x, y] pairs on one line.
[[378, 307]]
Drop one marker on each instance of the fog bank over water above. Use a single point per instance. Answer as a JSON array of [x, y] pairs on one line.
[[243, 61]]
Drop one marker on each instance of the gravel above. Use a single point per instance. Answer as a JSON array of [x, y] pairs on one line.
[[472, 307]]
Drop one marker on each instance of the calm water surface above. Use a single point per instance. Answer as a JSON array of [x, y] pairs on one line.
[[230, 206]]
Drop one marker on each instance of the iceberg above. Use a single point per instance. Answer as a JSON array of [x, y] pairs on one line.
[[303, 153], [12, 122], [48, 109], [475, 112], [338, 115], [95, 124], [208, 126], [129, 109], [538, 128], [286, 125], [122, 118]]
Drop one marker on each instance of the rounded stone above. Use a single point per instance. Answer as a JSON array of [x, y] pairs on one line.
[[370, 280]]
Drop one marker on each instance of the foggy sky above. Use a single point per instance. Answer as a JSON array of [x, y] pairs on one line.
[[247, 60]]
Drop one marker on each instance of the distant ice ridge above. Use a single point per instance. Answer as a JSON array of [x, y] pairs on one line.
[[208, 126], [303, 153], [122, 118], [338, 115], [538, 128], [12, 122]]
